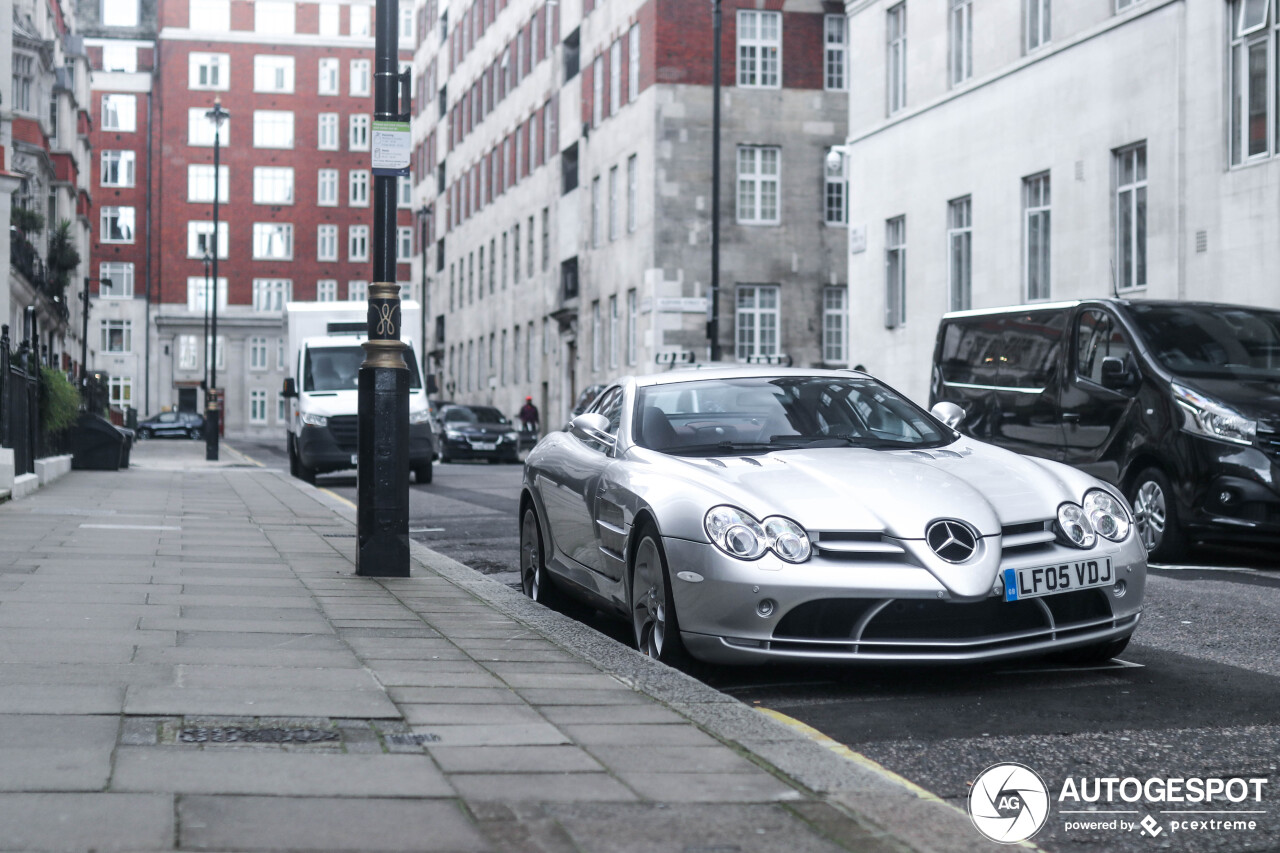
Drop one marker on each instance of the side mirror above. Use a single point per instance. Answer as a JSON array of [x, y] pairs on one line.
[[949, 413], [592, 426], [290, 388], [1114, 373]]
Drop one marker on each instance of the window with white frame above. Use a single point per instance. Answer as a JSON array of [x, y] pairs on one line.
[[215, 351], [358, 137], [257, 353], [200, 129], [835, 202], [759, 49], [895, 272], [615, 76], [271, 294], [1253, 46], [272, 128], [596, 342], [404, 191], [188, 347], [633, 63], [273, 73], [118, 168], [361, 21], [273, 17], [515, 253], [835, 63], [358, 188], [357, 291], [24, 84], [329, 82], [117, 336], [959, 255], [329, 19], [327, 289], [631, 326], [529, 248], [596, 226], [326, 242], [1036, 235], [632, 188], [1131, 216], [282, 408], [200, 239], [120, 391], [273, 185], [1036, 17], [200, 295], [280, 353], [327, 138], [404, 244], [200, 183], [758, 177], [613, 202], [327, 188], [210, 15], [120, 274], [613, 331], [756, 320], [360, 78], [597, 91], [358, 243], [406, 23], [896, 57], [117, 225], [209, 71], [118, 56], [272, 241], [835, 325], [119, 13], [257, 406], [961, 48], [119, 112]]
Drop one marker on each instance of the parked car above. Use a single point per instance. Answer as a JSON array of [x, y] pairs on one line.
[[1173, 402], [752, 514], [478, 432], [172, 425]]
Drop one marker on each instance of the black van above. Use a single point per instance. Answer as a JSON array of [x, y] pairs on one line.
[[1176, 403]]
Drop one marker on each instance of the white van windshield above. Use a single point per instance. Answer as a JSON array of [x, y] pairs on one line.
[[1212, 341], [338, 368]]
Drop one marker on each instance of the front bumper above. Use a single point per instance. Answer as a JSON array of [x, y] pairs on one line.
[[868, 611], [1231, 492], [333, 447], [465, 448]]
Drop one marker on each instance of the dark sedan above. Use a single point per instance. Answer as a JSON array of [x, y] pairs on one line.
[[478, 432], [172, 425]]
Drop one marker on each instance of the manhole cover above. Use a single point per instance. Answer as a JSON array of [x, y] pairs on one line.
[[236, 734], [412, 740]]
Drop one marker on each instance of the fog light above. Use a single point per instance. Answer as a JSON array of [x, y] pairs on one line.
[[766, 607], [1227, 497], [1120, 589]]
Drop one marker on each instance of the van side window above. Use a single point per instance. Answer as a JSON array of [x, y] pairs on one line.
[[1030, 348], [1098, 337], [971, 351]]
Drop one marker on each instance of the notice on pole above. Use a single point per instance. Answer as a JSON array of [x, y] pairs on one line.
[[392, 148]]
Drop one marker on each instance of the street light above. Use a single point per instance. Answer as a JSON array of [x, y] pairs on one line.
[[713, 322], [207, 259], [212, 419], [424, 216], [84, 331]]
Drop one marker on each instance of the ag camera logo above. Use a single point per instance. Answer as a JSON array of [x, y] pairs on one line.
[[1008, 803]]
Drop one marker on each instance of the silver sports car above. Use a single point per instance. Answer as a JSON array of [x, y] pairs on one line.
[[750, 514]]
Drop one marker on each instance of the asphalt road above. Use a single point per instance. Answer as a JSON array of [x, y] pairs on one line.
[[1197, 694]]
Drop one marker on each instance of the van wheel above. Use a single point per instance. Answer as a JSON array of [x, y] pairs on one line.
[[1156, 517], [422, 472], [293, 457]]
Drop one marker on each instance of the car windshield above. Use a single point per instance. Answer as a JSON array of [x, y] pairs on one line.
[[1212, 341], [475, 414], [762, 414], [338, 368]]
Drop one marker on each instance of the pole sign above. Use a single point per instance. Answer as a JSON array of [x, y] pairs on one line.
[[392, 148]]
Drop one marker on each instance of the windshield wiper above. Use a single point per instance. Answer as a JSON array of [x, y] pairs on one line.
[[839, 441], [722, 447]]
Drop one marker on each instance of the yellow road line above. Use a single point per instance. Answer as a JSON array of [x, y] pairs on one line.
[[243, 455], [337, 496]]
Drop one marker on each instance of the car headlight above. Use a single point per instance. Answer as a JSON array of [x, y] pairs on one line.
[[511, 436], [1074, 524], [313, 420], [421, 416], [453, 435], [739, 535], [1204, 416], [1106, 514]]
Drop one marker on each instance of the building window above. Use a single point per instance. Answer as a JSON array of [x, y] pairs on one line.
[[759, 49], [633, 63], [24, 81], [200, 130], [631, 326], [118, 168], [273, 17], [358, 139], [835, 201], [270, 294], [961, 41], [404, 191], [1035, 204], [119, 13], [597, 91], [209, 71], [515, 253], [200, 239], [895, 272], [120, 391], [327, 288], [758, 184], [188, 352], [282, 409], [327, 243], [119, 57], [272, 129], [328, 19], [120, 274], [327, 188], [404, 243], [119, 112], [327, 139], [1036, 17], [273, 74], [361, 21], [834, 61], [757, 320], [257, 353], [329, 84], [835, 323], [360, 79], [632, 187], [529, 246], [596, 227], [546, 239], [272, 185], [200, 184], [272, 241], [613, 203], [117, 225], [117, 336], [615, 77], [896, 73], [613, 332], [198, 294], [1131, 216], [596, 342], [210, 15], [358, 243], [1252, 103], [357, 291], [959, 241], [358, 188], [257, 406]]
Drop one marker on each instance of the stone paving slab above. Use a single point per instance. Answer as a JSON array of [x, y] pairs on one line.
[[98, 822]]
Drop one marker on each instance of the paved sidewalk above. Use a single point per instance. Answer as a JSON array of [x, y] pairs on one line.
[[187, 662]]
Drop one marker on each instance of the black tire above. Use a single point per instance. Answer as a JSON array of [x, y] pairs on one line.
[[494, 460], [306, 474], [1094, 654], [193, 434], [1156, 517], [422, 472], [655, 626], [293, 457], [444, 457], [535, 581], [144, 434]]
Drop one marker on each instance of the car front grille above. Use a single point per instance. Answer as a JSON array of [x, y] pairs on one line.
[[869, 546], [343, 429], [1267, 440]]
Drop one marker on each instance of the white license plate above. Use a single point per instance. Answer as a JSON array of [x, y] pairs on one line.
[[484, 445], [1063, 577], [355, 458]]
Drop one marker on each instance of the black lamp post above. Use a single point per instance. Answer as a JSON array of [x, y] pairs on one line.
[[713, 322], [213, 402], [424, 216], [207, 259], [84, 333]]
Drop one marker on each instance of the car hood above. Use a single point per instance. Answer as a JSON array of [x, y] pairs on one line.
[[479, 430]]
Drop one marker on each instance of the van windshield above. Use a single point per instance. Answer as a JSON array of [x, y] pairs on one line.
[[1212, 341], [338, 368]]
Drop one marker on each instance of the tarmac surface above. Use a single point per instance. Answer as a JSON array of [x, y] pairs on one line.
[[189, 662]]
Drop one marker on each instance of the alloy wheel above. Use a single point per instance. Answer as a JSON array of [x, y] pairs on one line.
[[531, 580], [649, 599], [1150, 514]]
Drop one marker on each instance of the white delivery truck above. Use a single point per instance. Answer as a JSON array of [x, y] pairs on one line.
[[324, 359]]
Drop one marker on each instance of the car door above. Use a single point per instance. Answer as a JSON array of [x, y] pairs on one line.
[[1096, 418], [1030, 356]]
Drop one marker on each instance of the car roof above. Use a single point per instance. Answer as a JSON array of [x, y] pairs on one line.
[[737, 371]]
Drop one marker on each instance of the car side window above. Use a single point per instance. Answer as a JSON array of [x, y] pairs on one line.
[[1099, 337], [609, 404]]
